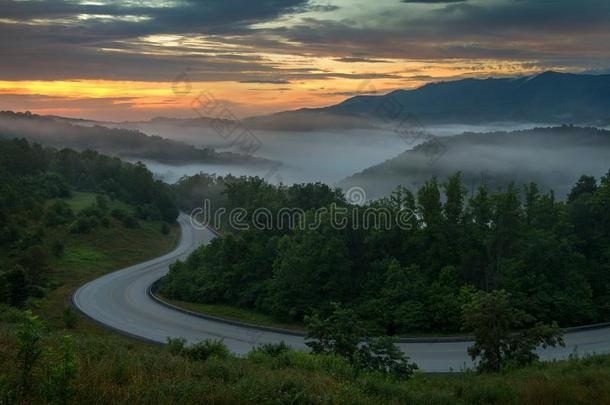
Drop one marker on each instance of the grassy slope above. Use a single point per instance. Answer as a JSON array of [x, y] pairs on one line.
[[88, 256], [259, 318], [113, 370], [236, 314]]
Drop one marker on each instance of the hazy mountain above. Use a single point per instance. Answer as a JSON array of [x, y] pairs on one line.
[[551, 97], [61, 132], [552, 157]]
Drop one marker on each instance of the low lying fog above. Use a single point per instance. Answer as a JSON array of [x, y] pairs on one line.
[[327, 156]]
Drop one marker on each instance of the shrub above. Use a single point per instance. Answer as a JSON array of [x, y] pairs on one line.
[[83, 224], [176, 345], [205, 349], [382, 355], [10, 314], [102, 202], [273, 349], [342, 333], [164, 229], [57, 248], [129, 221], [70, 318], [60, 387], [58, 212], [29, 349], [118, 213]]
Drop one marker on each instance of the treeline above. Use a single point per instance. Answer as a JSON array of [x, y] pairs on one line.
[[35, 182], [495, 159], [550, 256], [124, 143]]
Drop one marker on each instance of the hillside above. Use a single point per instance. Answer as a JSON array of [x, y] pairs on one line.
[[113, 369], [125, 143], [551, 157]]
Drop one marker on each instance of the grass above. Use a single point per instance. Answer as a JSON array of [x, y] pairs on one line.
[[236, 314], [116, 370], [88, 256], [82, 256], [80, 200], [258, 318]]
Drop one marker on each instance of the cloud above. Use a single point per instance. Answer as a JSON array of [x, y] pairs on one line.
[[292, 42], [263, 81], [357, 59], [433, 1]]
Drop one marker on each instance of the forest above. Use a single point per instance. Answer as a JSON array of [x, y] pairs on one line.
[[550, 256], [36, 182], [124, 143]]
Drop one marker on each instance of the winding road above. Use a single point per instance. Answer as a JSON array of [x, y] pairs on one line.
[[120, 301]]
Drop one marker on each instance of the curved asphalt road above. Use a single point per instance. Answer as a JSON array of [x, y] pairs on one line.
[[119, 300]]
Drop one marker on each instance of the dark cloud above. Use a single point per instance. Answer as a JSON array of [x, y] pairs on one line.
[[263, 81], [47, 40], [550, 31], [433, 1], [356, 59], [184, 16]]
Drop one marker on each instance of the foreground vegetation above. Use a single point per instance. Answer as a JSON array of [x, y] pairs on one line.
[[111, 369]]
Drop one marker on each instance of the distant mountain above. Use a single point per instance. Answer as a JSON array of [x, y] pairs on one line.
[[554, 158], [550, 98], [62, 132]]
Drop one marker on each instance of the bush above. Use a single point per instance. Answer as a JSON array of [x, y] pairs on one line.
[[83, 225], [339, 333], [29, 349], [102, 202], [60, 383], [70, 318], [57, 248], [176, 345], [342, 332], [130, 222], [382, 355], [272, 349], [206, 348], [58, 212], [10, 314], [164, 229], [118, 213]]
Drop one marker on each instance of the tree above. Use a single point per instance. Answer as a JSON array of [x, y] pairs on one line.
[[343, 334], [585, 184], [504, 335], [382, 355], [311, 267], [16, 285], [339, 333]]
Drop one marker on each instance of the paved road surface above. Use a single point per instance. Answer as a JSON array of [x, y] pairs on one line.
[[119, 300]]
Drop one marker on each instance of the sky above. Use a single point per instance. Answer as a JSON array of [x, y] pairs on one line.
[[134, 60]]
